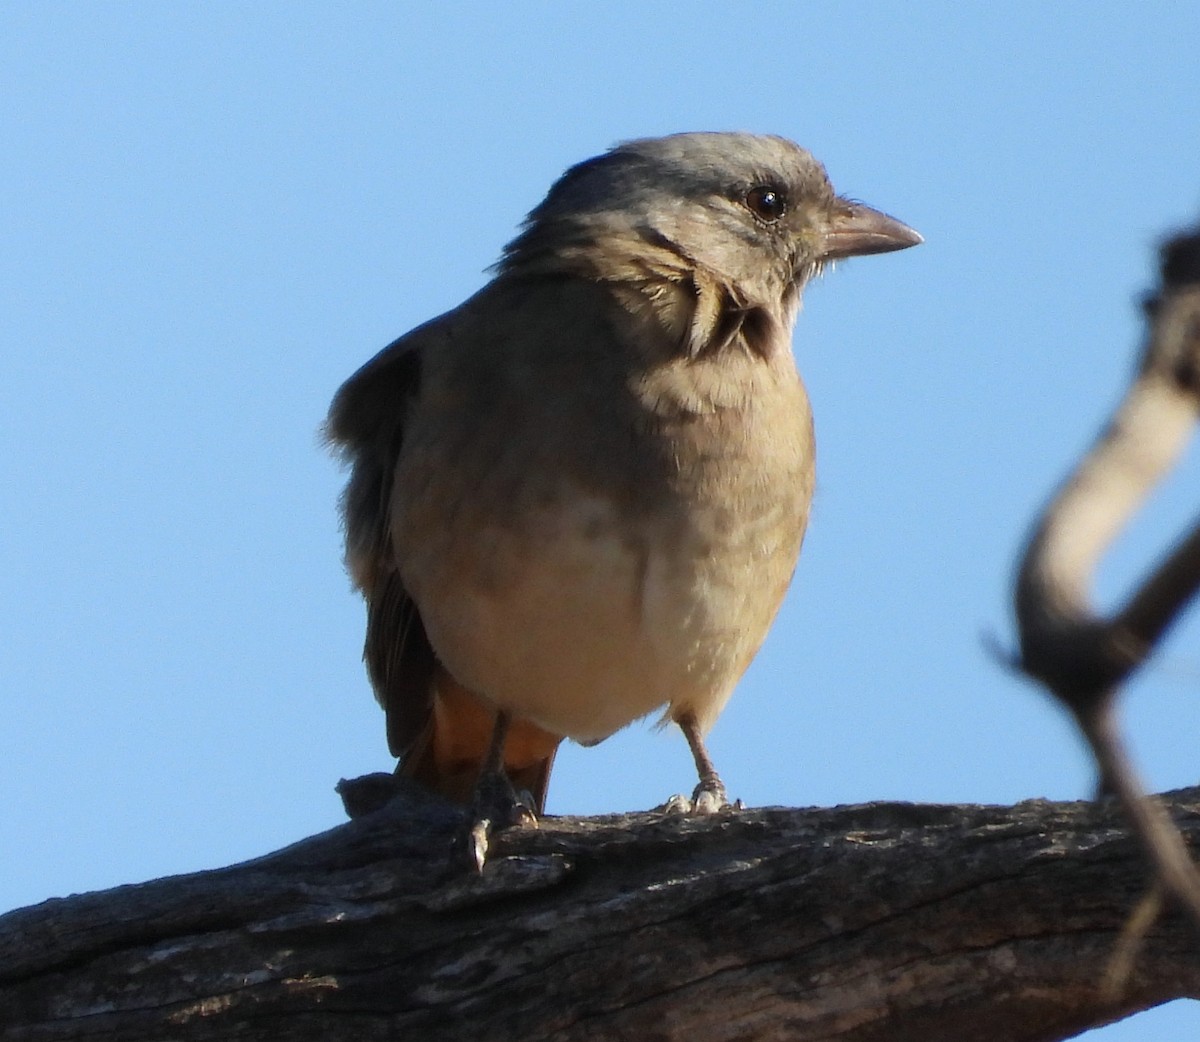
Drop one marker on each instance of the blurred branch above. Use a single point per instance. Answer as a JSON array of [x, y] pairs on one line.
[[1081, 657], [853, 924]]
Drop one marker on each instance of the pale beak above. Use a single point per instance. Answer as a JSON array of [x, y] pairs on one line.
[[857, 230]]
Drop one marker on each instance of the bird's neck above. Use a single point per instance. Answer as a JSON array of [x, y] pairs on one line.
[[695, 311]]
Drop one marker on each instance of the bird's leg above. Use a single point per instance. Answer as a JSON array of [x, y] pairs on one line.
[[709, 796], [495, 804]]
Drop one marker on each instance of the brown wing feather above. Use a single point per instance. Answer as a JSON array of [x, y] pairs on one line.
[[366, 424], [401, 663]]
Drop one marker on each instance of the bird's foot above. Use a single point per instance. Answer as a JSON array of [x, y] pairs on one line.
[[707, 798], [495, 806]]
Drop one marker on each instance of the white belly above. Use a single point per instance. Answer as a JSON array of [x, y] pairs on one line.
[[583, 626]]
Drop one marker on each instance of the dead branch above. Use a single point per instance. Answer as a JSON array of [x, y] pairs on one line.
[[1084, 658], [856, 924]]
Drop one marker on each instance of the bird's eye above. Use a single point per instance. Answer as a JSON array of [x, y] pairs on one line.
[[766, 203]]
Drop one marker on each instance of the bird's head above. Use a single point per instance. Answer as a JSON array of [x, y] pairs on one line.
[[757, 213]]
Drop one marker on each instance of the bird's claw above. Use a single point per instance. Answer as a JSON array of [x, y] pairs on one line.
[[496, 806], [478, 837], [704, 801], [677, 804]]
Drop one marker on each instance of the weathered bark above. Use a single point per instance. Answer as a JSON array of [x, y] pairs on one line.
[[866, 923]]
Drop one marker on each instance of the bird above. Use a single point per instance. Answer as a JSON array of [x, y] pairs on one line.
[[579, 497]]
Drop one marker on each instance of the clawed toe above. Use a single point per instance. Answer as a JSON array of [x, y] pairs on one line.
[[677, 804], [496, 806], [704, 800]]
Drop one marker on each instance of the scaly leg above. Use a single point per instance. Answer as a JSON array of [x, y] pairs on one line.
[[495, 804]]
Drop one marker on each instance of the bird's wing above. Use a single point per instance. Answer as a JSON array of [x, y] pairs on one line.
[[366, 424]]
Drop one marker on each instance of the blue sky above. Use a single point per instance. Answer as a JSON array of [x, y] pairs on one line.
[[213, 213]]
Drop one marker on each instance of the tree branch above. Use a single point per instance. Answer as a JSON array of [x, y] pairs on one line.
[[856, 924], [1081, 657]]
